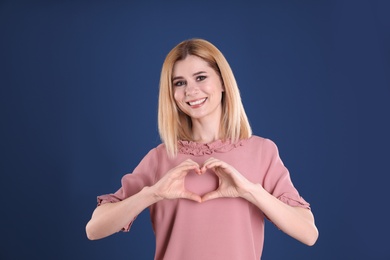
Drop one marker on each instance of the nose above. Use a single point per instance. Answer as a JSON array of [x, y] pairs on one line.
[[191, 89]]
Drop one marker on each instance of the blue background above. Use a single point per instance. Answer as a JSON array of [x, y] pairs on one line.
[[79, 85]]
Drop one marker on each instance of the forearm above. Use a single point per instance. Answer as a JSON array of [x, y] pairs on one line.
[[110, 218], [295, 221]]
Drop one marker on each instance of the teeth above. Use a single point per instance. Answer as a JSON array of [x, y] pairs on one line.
[[194, 103]]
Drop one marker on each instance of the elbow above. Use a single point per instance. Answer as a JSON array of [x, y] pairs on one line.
[[312, 237], [311, 233], [90, 236], [89, 231]]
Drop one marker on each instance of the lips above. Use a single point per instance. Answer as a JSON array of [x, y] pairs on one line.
[[197, 102]]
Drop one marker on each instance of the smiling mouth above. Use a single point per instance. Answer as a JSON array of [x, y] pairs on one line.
[[197, 102]]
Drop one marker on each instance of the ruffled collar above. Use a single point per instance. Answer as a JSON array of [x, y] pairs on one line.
[[199, 149]]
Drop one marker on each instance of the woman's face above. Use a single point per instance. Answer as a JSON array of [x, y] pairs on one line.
[[197, 89]]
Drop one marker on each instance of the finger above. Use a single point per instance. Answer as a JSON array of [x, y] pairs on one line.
[[187, 166], [210, 163], [208, 160], [183, 168], [210, 196], [192, 196], [214, 163], [191, 162], [191, 165], [217, 167]]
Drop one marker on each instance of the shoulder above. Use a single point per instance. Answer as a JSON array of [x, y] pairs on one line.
[[265, 146], [152, 158], [159, 152], [155, 151], [262, 141], [160, 149]]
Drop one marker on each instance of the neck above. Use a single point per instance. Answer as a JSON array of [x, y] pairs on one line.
[[205, 132]]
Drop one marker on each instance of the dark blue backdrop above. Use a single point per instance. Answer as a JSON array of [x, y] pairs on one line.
[[79, 84]]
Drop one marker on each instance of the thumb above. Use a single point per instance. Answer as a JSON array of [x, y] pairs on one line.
[[210, 196], [192, 196]]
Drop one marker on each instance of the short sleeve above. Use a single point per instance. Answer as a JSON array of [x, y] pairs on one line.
[[277, 179], [132, 183]]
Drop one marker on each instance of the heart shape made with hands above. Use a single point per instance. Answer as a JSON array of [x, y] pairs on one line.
[[201, 184]]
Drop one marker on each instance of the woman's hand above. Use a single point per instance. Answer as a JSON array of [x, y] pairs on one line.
[[231, 182], [171, 186]]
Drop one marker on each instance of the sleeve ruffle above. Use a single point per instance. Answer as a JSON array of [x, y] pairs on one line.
[[107, 198], [111, 198], [294, 200]]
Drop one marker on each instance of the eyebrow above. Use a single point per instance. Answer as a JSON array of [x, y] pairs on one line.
[[195, 74]]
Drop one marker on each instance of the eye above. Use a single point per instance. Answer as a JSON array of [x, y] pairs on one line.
[[200, 78], [179, 83]]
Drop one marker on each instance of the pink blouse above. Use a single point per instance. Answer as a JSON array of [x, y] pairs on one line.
[[225, 228]]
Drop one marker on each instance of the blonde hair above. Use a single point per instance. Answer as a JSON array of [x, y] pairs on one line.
[[173, 124]]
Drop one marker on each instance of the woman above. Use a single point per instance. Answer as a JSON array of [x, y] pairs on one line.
[[210, 184]]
